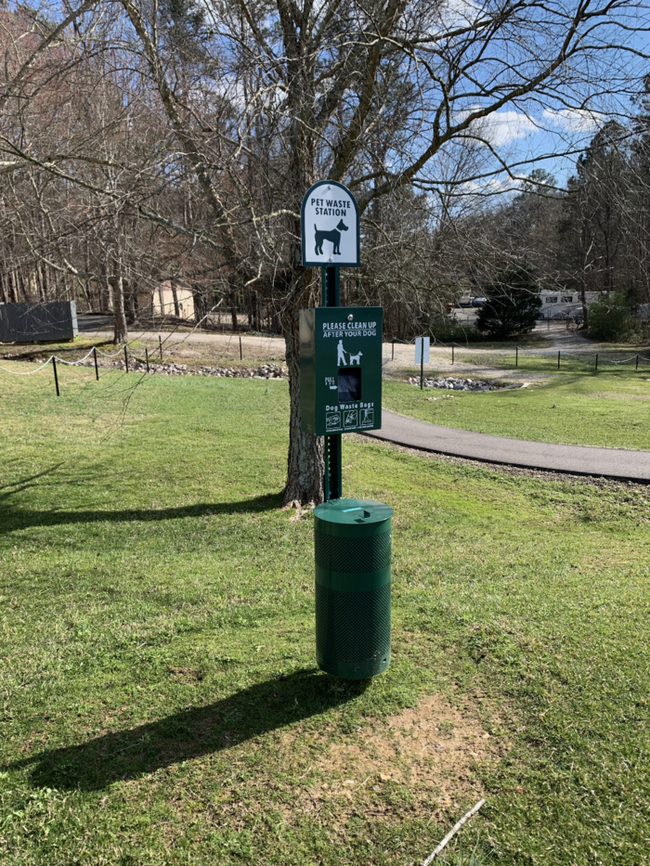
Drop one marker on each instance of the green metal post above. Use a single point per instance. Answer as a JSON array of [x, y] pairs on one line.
[[331, 297], [331, 286]]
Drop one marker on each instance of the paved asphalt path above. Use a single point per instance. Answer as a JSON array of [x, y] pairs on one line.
[[573, 459]]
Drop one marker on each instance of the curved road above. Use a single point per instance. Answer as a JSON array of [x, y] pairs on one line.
[[573, 459], [614, 463]]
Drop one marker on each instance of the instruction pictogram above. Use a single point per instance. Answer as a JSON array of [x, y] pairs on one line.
[[333, 420]]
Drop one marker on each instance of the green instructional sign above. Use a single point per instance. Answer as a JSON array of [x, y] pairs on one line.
[[340, 369]]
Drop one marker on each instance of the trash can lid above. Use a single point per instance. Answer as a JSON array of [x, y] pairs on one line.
[[351, 511]]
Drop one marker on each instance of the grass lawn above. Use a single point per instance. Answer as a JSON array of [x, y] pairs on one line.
[[158, 697], [193, 349], [608, 408], [610, 360]]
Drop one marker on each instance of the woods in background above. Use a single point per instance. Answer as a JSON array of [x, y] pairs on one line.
[[169, 144]]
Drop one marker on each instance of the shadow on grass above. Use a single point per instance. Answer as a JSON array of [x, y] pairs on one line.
[[13, 519], [24, 483], [190, 733]]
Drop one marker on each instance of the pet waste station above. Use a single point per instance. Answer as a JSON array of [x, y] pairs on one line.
[[340, 392]]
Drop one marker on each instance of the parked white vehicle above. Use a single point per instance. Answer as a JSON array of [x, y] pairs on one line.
[[563, 305]]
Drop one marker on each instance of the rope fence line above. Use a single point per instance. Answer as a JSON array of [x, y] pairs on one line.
[[54, 358], [544, 354], [94, 350], [60, 361], [105, 354], [549, 355], [28, 372], [122, 350]]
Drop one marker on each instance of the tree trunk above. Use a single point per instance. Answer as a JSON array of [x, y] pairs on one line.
[[14, 286], [38, 279], [585, 308], [254, 310], [200, 305], [23, 286], [121, 333], [177, 311], [306, 467]]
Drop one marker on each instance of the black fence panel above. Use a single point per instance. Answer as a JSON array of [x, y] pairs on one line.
[[38, 323]]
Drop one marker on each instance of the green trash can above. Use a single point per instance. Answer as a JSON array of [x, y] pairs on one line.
[[353, 576]]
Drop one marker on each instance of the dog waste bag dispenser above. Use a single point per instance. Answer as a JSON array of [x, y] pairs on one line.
[[340, 369], [340, 392], [353, 578], [340, 387]]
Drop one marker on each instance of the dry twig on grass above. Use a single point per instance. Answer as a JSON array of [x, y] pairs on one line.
[[452, 833]]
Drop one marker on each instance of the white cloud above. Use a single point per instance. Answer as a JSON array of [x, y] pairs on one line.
[[573, 119], [501, 127], [447, 15], [459, 12], [492, 186]]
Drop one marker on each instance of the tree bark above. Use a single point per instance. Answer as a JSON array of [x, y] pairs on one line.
[[305, 466], [200, 306], [121, 331], [177, 311], [14, 286]]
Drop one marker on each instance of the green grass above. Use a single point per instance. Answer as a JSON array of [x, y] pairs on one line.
[[620, 361], [158, 698], [607, 409]]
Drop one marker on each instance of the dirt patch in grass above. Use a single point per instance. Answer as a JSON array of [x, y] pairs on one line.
[[433, 745], [421, 762], [186, 675]]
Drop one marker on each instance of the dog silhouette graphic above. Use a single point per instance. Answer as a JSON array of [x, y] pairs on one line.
[[356, 358], [333, 236]]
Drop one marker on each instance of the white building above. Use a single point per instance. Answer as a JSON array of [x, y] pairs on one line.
[[161, 302]]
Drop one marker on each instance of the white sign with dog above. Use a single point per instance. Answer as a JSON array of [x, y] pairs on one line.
[[330, 226]]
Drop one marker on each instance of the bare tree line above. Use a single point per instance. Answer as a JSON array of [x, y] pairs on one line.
[[151, 140]]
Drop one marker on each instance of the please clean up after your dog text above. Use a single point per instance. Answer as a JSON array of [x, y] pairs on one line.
[[349, 329]]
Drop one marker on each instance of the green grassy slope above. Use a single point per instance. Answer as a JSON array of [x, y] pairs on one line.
[[608, 409], [158, 702]]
